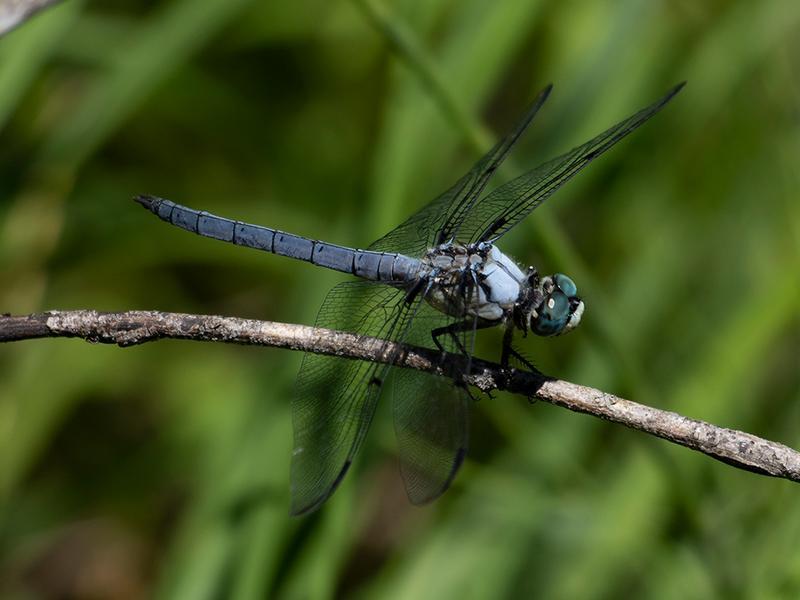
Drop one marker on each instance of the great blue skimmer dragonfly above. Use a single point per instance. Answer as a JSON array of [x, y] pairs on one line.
[[432, 281]]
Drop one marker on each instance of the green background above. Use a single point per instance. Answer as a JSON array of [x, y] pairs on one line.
[[162, 470]]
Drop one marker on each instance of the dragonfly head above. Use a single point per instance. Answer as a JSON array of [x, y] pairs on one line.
[[560, 310]]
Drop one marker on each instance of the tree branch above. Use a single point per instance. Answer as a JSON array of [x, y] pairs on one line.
[[14, 13], [736, 448]]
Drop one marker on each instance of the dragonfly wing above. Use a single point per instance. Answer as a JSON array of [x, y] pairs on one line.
[[438, 221], [335, 397], [431, 414], [495, 214], [431, 419]]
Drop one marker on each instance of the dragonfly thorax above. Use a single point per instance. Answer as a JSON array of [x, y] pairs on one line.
[[478, 280], [475, 280]]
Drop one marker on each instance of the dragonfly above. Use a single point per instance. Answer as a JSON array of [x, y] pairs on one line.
[[433, 281]]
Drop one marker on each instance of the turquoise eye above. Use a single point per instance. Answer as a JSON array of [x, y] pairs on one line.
[[553, 315], [565, 284]]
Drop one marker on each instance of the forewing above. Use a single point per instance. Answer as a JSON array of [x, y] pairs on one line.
[[495, 214], [335, 397], [431, 417], [439, 220]]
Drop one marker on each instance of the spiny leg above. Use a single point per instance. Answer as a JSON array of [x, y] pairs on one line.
[[508, 351], [451, 330], [467, 325], [508, 336]]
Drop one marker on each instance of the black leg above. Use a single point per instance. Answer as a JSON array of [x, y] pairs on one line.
[[508, 337], [509, 351], [525, 362], [467, 325], [452, 330]]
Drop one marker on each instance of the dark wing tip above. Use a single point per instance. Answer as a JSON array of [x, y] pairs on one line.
[[301, 506], [662, 102], [540, 99], [430, 495], [299, 511], [674, 90]]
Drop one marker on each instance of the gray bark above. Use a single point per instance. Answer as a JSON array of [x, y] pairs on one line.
[[733, 447]]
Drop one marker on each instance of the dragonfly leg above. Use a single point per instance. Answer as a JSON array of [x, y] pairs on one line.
[[452, 330], [508, 336], [467, 325], [509, 351]]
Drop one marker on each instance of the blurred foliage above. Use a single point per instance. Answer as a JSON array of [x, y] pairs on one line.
[[163, 470]]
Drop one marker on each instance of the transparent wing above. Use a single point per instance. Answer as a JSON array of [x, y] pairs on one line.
[[431, 415], [335, 397], [495, 214], [431, 425], [437, 221]]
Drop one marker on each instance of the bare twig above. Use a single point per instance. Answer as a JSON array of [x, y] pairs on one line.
[[736, 448], [14, 13]]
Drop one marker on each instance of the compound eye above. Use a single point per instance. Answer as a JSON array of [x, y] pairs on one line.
[[565, 284], [552, 316], [556, 306]]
